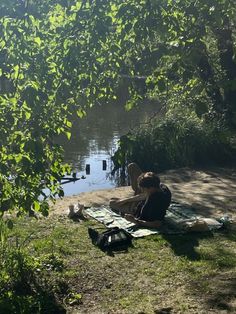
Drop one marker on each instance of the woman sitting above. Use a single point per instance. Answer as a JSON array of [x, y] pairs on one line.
[[148, 208]]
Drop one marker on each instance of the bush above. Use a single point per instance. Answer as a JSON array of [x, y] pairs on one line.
[[24, 288], [177, 140]]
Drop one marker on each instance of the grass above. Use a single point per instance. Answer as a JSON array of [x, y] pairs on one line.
[[62, 272]]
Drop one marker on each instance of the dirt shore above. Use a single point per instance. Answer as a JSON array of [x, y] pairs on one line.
[[211, 192]]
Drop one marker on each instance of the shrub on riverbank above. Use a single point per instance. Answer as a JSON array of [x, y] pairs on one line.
[[176, 140]]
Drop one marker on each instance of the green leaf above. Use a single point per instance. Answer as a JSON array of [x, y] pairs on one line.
[[68, 135], [81, 113], [16, 71], [36, 205], [37, 40], [129, 105]]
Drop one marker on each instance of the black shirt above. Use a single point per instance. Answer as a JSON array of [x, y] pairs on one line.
[[155, 206]]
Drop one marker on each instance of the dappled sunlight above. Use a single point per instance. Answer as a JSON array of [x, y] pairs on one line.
[[217, 291], [222, 292], [208, 192]]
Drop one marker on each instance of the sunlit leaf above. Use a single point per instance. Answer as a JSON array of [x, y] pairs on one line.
[[37, 40]]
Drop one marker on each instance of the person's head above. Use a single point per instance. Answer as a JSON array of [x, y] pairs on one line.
[[149, 180]]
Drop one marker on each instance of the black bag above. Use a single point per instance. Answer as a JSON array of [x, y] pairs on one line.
[[113, 239]]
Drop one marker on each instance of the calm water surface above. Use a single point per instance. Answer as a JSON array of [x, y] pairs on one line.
[[94, 140]]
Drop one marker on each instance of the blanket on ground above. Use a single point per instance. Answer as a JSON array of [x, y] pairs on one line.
[[179, 219]]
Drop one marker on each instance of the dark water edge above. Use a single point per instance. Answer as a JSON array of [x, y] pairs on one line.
[[94, 140]]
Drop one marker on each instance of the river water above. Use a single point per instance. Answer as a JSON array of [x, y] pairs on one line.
[[93, 141]]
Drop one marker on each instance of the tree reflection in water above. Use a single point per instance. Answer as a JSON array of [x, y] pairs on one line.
[[94, 139]]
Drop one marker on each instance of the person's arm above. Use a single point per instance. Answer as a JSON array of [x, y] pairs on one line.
[[143, 223], [149, 224], [136, 198]]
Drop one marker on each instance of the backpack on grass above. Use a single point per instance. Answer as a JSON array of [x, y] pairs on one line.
[[113, 239]]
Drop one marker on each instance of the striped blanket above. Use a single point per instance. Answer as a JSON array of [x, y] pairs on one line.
[[177, 217]]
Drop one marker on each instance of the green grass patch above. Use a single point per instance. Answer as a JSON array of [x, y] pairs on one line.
[[51, 266]]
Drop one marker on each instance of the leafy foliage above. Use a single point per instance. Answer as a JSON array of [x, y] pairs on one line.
[[185, 52], [50, 64], [185, 49], [58, 56]]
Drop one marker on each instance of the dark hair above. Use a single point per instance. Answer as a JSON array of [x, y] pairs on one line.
[[149, 180]]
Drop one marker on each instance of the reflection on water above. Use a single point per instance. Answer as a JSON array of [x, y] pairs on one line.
[[94, 139]]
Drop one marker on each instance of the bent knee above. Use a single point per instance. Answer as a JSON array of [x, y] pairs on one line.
[[133, 167], [113, 203]]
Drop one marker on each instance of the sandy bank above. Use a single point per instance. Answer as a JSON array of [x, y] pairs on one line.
[[212, 192]]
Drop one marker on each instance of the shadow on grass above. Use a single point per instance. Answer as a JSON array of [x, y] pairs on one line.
[[185, 245], [118, 250], [216, 289], [230, 235], [223, 293]]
